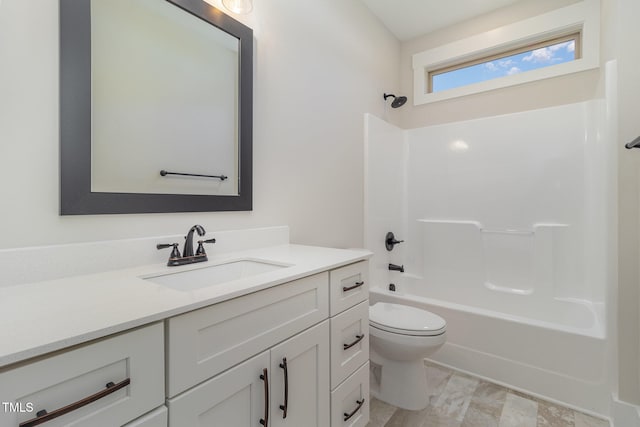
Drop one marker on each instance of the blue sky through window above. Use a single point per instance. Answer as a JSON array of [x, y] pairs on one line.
[[514, 64]]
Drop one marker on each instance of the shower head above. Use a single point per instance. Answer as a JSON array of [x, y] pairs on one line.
[[398, 101]]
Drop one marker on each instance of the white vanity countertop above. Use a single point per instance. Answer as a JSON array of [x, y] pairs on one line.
[[38, 318]]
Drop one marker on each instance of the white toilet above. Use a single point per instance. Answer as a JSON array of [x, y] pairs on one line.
[[400, 338]]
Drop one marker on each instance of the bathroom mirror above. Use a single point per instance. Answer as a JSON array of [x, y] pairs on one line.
[[155, 107]]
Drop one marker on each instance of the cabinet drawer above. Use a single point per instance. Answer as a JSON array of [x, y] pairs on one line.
[[69, 377], [351, 400], [349, 342], [205, 342], [349, 285], [157, 418]]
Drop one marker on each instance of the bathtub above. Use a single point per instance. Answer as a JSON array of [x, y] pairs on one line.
[[557, 353]]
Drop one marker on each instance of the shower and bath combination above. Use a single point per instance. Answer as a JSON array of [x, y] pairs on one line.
[[487, 257]]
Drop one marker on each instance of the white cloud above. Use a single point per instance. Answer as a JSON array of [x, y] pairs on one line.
[[543, 54], [491, 66], [513, 70], [571, 47], [506, 63], [547, 54]]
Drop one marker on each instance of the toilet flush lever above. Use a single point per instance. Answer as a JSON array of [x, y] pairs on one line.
[[390, 241]]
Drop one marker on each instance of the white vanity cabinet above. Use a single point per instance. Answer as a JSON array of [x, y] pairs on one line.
[[299, 380], [205, 342], [349, 291], [291, 355], [238, 397], [291, 376], [108, 382], [275, 355], [289, 321]]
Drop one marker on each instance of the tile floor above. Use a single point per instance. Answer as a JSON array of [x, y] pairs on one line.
[[460, 400]]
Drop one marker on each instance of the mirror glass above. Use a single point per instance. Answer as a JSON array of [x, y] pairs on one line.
[[156, 107], [164, 97]]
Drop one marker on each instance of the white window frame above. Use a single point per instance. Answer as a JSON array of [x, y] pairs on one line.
[[583, 17]]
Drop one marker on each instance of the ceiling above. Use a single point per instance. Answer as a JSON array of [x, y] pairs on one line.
[[411, 18]]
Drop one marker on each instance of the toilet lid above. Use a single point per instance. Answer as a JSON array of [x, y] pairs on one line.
[[402, 319]]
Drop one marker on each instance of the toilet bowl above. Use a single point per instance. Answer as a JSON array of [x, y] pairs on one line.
[[400, 338]]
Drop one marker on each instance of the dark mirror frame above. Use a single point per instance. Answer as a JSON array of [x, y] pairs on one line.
[[76, 197]]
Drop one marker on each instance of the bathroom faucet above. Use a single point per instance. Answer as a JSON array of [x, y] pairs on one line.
[[393, 267], [188, 257], [188, 243]]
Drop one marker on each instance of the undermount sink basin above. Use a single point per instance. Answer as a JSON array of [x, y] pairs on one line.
[[213, 275]]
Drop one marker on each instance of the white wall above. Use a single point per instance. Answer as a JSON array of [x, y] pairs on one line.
[[319, 65], [567, 89], [626, 50]]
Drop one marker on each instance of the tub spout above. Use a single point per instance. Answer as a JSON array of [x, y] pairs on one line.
[[393, 267]]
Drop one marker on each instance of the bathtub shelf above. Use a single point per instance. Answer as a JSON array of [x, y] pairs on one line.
[[481, 228], [516, 261], [508, 290]]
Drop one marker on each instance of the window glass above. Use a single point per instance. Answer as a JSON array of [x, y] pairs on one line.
[[541, 55]]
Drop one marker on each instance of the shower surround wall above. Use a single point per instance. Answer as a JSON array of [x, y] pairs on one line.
[[506, 223]]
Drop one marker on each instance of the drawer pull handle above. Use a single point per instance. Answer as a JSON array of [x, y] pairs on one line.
[[350, 288], [358, 339], [265, 377], [348, 416], [48, 416], [284, 407]]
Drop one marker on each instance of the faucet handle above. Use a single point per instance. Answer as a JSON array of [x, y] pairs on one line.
[[175, 253], [390, 241], [200, 250]]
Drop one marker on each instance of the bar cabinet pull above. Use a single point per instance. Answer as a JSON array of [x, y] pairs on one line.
[[348, 416], [265, 377], [358, 339], [43, 416], [284, 407], [350, 288]]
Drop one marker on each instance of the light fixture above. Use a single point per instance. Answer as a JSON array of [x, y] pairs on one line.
[[238, 6]]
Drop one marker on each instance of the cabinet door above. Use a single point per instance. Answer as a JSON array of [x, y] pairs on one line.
[[305, 379], [235, 398]]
